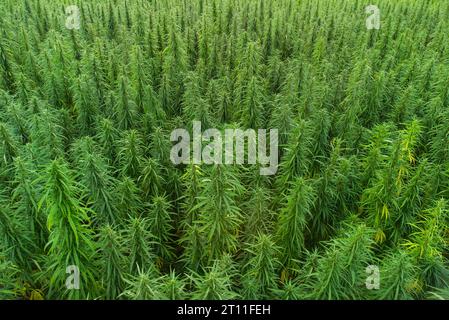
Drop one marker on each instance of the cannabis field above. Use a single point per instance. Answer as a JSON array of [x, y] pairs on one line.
[[92, 207]]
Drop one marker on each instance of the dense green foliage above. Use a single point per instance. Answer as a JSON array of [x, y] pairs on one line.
[[85, 171]]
